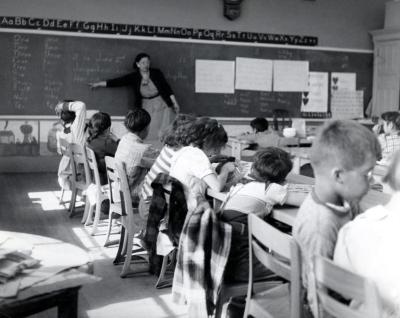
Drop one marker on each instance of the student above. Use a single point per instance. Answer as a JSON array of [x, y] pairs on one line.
[[101, 141], [137, 156], [260, 137], [343, 156], [73, 116], [389, 135], [191, 163], [266, 189], [369, 244], [172, 143]]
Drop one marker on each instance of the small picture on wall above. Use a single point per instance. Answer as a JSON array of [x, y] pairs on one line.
[[48, 137], [19, 138]]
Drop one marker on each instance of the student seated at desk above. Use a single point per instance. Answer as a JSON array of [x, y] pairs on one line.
[[137, 156], [206, 138], [343, 156], [368, 245], [266, 189], [388, 132], [101, 141], [260, 137], [73, 115]]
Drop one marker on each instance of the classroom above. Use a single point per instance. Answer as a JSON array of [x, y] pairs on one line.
[[230, 158]]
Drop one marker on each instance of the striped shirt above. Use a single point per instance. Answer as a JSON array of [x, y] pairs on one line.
[[161, 165]]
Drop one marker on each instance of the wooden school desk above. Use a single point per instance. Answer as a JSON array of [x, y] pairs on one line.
[[287, 214], [64, 269]]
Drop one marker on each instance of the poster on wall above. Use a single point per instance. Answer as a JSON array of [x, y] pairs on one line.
[[19, 138], [343, 81], [347, 105], [316, 98], [215, 76], [253, 74]]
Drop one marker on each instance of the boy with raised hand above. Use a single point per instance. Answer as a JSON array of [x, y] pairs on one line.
[[343, 156]]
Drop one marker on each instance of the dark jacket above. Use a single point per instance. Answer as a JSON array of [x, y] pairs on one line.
[[134, 79], [159, 207], [102, 146]]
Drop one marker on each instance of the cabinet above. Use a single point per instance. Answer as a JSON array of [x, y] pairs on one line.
[[386, 78]]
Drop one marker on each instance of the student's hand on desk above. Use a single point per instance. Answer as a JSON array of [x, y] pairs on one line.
[[228, 167]]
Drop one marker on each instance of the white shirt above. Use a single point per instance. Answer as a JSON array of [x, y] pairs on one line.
[[369, 246], [190, 163]]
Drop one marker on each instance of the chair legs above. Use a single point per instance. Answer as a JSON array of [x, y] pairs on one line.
[[168, 265], [74, 193]]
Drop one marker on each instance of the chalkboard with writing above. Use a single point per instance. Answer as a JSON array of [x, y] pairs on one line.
[[37, 70]]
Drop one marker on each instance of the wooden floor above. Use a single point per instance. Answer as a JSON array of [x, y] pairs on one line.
[[29, 203]]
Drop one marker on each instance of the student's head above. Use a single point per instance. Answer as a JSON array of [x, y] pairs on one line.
[[259, 124], [391, 122], [98, 124], [67, 116], [343, 156], [142, 62], [137, 121], [392, 176], [271, 164], [206, 134], [178, 128]]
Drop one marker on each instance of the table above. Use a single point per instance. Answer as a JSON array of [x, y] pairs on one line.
[[64, 269], [287, 214]]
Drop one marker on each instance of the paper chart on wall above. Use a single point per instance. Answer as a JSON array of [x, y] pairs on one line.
[[316, 98], [253, 74], [214, 76], [343, 82], [347, 104], [290, 76]]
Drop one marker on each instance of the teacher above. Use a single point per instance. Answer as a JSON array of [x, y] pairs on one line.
[[151, 91]]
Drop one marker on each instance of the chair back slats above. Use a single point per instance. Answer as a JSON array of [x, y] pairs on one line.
[[114, 195], [269, 236], [278, 252], [92, 163], [330, 276], [126, 201], [79, 166], [271, 261], [64, 147]]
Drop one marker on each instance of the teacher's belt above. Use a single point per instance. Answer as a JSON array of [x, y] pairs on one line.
[[151, 97]]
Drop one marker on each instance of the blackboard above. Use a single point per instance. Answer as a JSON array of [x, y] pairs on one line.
[[37, 70]]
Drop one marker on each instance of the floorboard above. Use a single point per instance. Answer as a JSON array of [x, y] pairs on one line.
[[29, 203]]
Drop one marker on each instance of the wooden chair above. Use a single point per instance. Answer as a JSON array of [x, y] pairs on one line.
[[126, 251], [64, 151], [80, 179], [113, 196], [330, 276], [96, 193], [281, 119], [278, 252]]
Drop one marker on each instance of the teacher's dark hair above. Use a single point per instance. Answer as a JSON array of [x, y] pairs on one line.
[[138, 58]]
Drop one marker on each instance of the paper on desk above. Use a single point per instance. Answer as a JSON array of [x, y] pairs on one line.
[[300, 187]]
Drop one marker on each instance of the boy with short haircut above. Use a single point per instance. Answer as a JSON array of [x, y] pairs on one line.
[[343, 156], [137, 156]]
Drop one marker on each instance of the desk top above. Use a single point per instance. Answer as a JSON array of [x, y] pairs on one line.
[[59, 261], [288, 214]]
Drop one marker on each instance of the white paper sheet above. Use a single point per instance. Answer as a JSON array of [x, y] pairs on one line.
[[343, 82], [290, 76], [253, 74], [215, 76], [347, 104], [316, 98]]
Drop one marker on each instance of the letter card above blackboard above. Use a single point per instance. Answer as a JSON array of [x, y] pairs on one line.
[[40, 69]]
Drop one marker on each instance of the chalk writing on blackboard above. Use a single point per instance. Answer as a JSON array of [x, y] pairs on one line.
[[153, 30]]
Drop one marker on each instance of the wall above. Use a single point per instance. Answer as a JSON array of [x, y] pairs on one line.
[[337, 23]]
